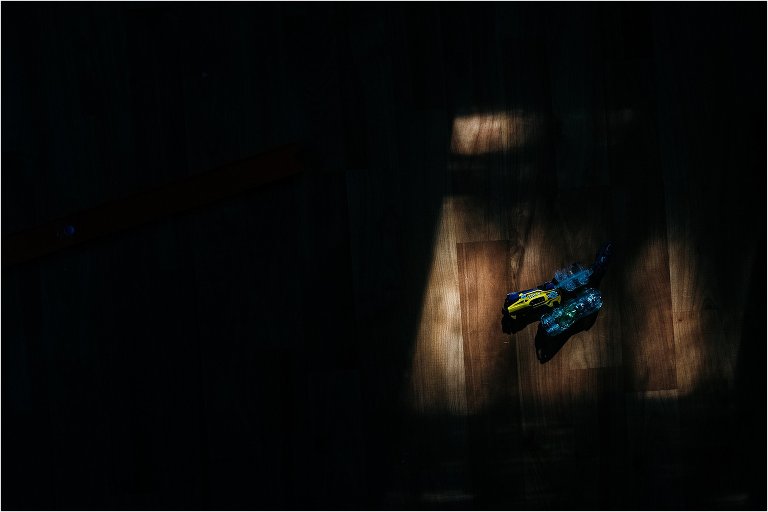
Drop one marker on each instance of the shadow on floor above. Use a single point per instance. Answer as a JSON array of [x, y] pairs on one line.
[[548, 346], [511, 326]]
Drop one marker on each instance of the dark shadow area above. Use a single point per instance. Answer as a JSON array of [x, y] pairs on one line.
[[178, 365], [511, 325], [750, 391], [547, 346]]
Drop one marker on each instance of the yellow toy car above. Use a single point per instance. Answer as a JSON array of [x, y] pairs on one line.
[[518, 304]]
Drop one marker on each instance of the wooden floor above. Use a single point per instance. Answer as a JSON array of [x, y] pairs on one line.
[[334, 339], [617, 400], [587, 149]]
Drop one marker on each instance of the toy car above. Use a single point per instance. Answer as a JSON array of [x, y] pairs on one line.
[[567, 282], [560, 319], [601, 261], [569, 279], [577, 275], [518, 304]]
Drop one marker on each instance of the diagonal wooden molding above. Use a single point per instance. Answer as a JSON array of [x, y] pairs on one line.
[[151, 205]]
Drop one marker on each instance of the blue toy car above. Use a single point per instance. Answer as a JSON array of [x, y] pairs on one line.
[[561, 319], [569, 279]]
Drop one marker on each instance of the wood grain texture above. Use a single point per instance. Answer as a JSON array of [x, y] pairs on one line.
[[490, 366], [490, 369], [581, 221], [438, 370]]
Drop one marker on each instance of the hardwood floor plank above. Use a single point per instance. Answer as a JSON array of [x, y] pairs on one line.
[[490, 369], [495, 449], [545, 400], [647, 335], [582, 217], [638, 206], [438, 370]]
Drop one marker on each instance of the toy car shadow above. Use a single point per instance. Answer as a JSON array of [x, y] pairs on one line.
[[511, 325], [548, 346]]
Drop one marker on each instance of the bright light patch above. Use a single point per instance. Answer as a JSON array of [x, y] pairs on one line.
[[437, 376], [481, 134]]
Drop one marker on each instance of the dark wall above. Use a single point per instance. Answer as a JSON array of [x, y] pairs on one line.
[[254, 354]]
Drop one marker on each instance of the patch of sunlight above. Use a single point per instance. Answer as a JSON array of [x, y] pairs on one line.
[[480, 134], [437, 374]]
